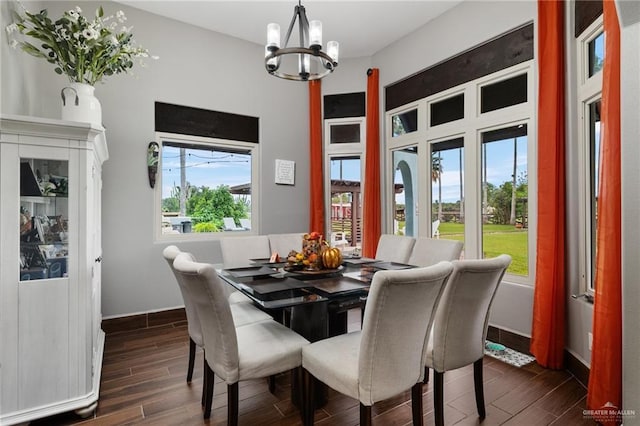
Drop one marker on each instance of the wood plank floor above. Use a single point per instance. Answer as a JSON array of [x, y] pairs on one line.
[[144, 382]]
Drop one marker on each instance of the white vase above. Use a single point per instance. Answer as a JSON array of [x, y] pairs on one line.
[[79, 104]]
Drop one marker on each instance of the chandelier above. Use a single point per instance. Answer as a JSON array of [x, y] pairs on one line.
[[309, 32]]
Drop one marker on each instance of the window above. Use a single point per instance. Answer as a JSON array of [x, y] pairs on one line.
[[346, 197], [404, 123], [405, 191], [345, 133], [505, 93], [344, 169], [447, 187], [591, 48], [504, 203], [206, 186], [447, 110], [596, 54], [469, 174]]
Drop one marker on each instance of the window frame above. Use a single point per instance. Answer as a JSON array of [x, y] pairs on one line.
[[356, 149], [589, 90], [253, 148], [470, 128]]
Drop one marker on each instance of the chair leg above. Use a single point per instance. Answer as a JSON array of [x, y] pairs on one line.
[[416, 404], [232, 404], [192, 358], [210, 379], [308, 406], [426, 375], [365, 415], [438, 397], [204, 384], [479, 388], [272, 384]]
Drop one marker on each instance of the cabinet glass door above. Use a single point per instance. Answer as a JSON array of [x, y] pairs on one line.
[[44, 212]]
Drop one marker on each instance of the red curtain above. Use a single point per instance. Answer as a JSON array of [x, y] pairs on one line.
[[605, 379], [316, 193], [371, 207], [548, 328]]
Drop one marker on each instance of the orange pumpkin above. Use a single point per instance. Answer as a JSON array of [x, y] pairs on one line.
[[331, 257]]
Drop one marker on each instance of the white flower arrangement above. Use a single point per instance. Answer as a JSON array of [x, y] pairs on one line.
[[85, 51]]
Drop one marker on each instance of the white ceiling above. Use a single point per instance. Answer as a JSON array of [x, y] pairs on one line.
[[361, 27]]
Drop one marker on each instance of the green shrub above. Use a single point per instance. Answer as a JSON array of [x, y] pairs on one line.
[[205, 227]]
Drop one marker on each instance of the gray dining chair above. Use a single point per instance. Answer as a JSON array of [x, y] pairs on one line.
[[394, 248], [459, 330], [232, 353], [284, 243], [238, 251], [385, 358], [242, 313], [429, 251]]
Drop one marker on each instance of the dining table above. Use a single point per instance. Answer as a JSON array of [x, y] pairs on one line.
[[313, 303]]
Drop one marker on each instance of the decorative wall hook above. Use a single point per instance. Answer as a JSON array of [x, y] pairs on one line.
[[153, 151]]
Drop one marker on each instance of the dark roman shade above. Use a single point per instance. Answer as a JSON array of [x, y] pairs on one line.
[[502, 52], [202, 122]]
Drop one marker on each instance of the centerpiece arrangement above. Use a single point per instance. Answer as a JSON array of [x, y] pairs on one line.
[[85, 50], [316, 255]]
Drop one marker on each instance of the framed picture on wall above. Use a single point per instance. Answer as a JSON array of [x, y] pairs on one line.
[[285, 172]]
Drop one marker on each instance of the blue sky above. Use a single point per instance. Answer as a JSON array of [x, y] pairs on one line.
[[211, 169], [204, 168]]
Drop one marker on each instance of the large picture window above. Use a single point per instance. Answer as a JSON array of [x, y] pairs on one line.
[[476, 165], [205, 187]]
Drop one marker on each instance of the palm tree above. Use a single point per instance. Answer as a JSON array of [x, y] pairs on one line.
[[436, 173]]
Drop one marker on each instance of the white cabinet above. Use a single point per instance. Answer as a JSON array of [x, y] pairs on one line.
[[51, 343]]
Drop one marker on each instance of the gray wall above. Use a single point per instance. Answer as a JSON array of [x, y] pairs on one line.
[[196, 68]]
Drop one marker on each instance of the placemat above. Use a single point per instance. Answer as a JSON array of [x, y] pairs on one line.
[[250, 271], [390, 265], [339, 285], [358, 260], [271, 285]]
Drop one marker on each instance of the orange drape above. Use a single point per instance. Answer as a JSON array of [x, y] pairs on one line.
[[371, 207], [548, 328], [316, 196], [605, 379]]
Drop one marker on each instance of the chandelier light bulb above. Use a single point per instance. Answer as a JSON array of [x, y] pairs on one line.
[[332, 50], [315, 34], [273, 35]]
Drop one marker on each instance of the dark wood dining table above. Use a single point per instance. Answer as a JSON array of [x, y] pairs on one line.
[[312, 303]]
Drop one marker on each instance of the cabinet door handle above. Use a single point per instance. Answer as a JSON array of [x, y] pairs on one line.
[[99, 259]]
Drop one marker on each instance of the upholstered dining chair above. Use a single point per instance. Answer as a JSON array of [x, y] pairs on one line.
[[385, 358], [243, 313], [237, 251], [232, 353], [284, 243], [394, 248], [459, 330], [429, 251]]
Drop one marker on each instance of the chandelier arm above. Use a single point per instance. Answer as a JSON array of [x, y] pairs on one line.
[[291, 24], [304, 27]]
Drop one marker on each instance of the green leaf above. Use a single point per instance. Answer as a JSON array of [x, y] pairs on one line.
[[58, 70]]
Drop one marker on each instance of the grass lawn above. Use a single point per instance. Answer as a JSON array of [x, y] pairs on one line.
[[497, 239]]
